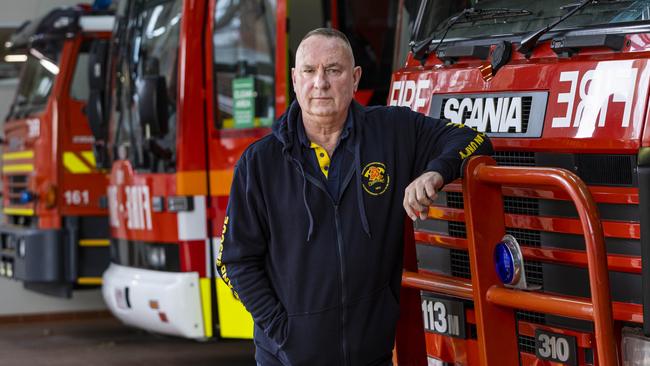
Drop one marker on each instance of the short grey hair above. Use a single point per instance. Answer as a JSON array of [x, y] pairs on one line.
[[331, 33]]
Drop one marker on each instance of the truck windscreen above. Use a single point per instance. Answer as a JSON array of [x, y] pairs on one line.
[[244, 63], [147, 50], [36, 82], [500, 18]]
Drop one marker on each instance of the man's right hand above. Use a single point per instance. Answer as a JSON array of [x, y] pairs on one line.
[[421, 193]]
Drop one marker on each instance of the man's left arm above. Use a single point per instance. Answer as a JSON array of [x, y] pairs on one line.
[[440, 149]]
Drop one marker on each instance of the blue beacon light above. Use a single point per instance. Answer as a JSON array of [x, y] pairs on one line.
[[508, 261]]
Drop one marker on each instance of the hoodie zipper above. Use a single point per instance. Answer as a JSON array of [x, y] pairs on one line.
[[339, 241], [344, 312]]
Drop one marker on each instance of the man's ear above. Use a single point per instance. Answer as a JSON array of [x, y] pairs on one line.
[[293, 77], [356, 76]]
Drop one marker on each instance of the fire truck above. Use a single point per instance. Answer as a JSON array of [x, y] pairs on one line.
[[54, 235], [193, 84], [535, 257]]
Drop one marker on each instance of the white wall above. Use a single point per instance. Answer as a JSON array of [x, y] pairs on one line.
[[13, 13], [14, 300], [7, 91]]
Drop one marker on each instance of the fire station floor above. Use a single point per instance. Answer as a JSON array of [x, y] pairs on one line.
[[105, 341]]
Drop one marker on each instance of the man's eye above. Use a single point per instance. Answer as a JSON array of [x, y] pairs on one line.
[[308, 71], [333, 71]]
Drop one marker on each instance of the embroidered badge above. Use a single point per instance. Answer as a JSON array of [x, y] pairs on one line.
[[375, 179]]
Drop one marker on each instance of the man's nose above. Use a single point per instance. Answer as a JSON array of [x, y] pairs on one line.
[[321, 81]]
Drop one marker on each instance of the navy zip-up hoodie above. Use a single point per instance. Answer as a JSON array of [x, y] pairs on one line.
[[321, 277]]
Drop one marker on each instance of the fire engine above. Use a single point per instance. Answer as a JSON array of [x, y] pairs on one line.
[[54, 237], [193, 84], [536, 260]]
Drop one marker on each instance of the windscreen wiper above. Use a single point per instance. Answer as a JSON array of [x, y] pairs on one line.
[[423, 48], [529, 42]]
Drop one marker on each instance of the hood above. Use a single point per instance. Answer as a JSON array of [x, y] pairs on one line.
[[284, 127]]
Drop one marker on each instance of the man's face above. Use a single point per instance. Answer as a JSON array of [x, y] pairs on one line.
[[324, 78]]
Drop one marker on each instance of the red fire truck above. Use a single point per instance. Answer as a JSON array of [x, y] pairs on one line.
[[194, 83], [54, 237], [524, 263]]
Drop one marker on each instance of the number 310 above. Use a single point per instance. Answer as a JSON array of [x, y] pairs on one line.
[[552, 347]]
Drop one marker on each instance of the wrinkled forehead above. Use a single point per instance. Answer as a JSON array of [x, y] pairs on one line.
[[321, 50]]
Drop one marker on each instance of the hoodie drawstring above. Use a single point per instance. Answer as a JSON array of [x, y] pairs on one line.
[[310, 231], [362, 207]]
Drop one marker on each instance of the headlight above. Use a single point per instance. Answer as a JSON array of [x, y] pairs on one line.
[[635, 347], [180, 203], [21, 248], [156, 257], [10, 242]]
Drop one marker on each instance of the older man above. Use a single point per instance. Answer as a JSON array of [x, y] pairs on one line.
[[313, 236]]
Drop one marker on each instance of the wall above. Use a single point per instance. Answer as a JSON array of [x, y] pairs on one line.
[[15, 12], [14, 300]]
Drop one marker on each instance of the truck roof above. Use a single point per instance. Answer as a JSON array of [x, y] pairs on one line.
[[60, 23]]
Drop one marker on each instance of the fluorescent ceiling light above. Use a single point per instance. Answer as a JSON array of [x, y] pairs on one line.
[[15, 58], [49, 66]]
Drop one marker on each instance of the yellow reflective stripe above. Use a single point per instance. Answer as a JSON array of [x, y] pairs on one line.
[[234, 320], [18, 168], [94, 242], [18, 211], [323, 158], [74, 164], [27, 154], [89, 157], [89, 280], [206, 302]]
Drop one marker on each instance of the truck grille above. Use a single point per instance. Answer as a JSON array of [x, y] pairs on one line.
[[530, 316], [460, 263], [515, 158], [15, 185], [594, 170], [613, 170], [526, 344], [521, 205], [514, 205]]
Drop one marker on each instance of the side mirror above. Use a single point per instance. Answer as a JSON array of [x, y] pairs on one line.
[[96, 106], [153, 104], [102, 159]]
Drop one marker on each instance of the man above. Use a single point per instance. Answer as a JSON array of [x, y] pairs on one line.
[[313, 237]]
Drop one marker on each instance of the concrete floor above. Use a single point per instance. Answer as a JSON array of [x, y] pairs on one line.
[[100, 342]]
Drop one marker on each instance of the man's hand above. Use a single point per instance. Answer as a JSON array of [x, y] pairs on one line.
[[421, 193]]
